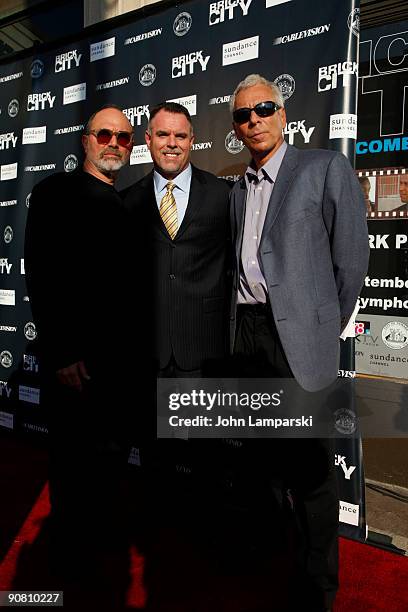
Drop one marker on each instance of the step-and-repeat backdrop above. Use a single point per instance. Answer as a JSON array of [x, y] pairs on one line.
[[194, 53]]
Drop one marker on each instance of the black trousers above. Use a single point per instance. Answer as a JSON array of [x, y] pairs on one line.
[[88, 451], [303, 466]]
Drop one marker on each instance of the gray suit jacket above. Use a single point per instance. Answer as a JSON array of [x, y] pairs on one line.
[[314, 256]]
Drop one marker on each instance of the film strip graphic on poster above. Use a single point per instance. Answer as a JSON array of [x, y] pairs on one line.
[[194, 53], [385, 192]]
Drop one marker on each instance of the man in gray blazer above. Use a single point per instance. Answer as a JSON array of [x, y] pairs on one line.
[[301, 254]]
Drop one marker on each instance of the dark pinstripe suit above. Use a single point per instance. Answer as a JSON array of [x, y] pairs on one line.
[[185, 286]]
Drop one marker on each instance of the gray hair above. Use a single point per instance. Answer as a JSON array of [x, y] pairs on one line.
[[257, 79]]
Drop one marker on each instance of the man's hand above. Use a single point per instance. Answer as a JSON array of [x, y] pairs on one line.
[[73, 375]]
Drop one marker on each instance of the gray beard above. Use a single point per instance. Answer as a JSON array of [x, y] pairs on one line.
[[109, 165]]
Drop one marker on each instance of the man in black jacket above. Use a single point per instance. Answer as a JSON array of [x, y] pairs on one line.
[[76, 280], [181, 217]]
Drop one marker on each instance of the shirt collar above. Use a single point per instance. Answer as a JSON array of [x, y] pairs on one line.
[[181, 181], [270, 170]]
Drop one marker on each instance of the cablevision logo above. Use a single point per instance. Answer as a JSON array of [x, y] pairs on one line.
[[11, 77], [139, 37], [288, 38], [115, 83], [220, 100], [40, 168], [69, 129]]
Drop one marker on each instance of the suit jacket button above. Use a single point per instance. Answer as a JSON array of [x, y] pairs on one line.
[[172, 276]]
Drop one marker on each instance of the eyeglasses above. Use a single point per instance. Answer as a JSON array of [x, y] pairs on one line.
[[263, 109], [104, 136]]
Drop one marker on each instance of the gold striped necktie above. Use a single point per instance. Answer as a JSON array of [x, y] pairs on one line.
[[168, 211]]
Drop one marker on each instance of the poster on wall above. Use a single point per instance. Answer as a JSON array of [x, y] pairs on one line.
[[381, 160], [382, 348], [382, 140], [382, 323]]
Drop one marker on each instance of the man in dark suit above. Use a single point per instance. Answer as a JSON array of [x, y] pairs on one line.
[[184, 215], [180, 215], [301, 253], [77, 284]]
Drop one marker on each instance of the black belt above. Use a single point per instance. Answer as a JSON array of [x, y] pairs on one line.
[[255, 308]]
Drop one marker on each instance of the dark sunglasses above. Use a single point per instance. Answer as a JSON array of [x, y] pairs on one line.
[[263, 109], [104, 136]]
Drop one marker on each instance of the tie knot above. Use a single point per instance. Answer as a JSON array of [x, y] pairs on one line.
[[170, 186]]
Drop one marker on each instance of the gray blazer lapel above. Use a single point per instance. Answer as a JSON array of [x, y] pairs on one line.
[[286, 174]]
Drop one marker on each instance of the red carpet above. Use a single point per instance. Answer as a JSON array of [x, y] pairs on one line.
[[371, 579]]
